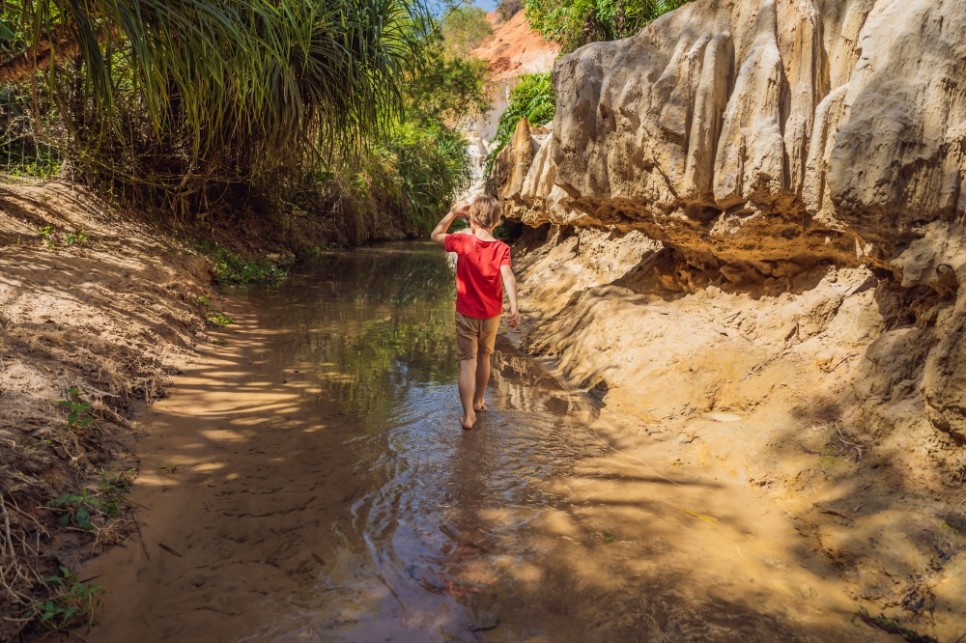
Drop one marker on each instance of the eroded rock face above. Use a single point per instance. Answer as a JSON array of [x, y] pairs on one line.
[[758, 214], [762, 130]]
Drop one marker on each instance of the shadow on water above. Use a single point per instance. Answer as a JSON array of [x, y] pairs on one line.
[[374, 330]]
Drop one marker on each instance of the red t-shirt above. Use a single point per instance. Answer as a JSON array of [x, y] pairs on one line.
[[479, 288]]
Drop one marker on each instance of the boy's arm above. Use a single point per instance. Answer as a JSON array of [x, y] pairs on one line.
[[439, 232], [510, 285]]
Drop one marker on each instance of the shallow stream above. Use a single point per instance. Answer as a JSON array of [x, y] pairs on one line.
[[309, 480]]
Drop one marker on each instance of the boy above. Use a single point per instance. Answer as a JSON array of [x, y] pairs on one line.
[[483, 270]]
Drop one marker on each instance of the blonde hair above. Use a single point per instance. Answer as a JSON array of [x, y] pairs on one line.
[[485, 212]]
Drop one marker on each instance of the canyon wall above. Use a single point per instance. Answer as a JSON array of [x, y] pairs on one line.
[[764, 129], [760, 141], [746, 236]]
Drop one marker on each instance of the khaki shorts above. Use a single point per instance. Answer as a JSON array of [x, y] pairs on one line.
[[475, 336]]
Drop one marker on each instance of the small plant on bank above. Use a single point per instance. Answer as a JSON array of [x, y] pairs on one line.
[[47, 234], [40, 168], [77, 237], [230, 268], [78, 415], [113, 487], [77, 509], [72, 601], [220, 319], [213, 316]]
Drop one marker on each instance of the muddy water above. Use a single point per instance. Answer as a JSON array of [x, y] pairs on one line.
[[309, 481]]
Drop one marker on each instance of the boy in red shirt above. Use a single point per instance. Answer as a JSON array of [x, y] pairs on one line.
[[483, 270]]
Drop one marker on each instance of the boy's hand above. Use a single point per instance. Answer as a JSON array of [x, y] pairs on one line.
[[514, 319]]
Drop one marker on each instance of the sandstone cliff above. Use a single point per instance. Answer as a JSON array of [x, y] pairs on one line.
[[765, 130], [754, 210], [758, 140]]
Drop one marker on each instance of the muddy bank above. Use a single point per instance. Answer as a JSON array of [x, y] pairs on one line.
[[97, 312], [98, 309], [809, 396]]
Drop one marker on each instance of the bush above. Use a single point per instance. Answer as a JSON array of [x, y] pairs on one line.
[[574, 23], [464, 28], [230, 268], [534, 99]]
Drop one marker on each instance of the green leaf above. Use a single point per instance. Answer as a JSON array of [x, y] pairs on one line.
[[83, 518]]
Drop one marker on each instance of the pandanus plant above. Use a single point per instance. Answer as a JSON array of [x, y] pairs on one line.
[[251, 85]]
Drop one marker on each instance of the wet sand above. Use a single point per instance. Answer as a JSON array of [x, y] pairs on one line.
[[308, 480]]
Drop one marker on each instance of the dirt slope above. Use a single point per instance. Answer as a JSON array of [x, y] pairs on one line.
[[515, 49], [95, 311]]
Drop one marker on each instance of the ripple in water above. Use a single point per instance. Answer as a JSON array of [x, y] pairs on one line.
[[445, 511]]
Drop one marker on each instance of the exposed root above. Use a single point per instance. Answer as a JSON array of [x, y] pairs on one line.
[[14, 573]]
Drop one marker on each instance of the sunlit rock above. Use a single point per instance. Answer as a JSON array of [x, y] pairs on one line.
[[760, 129]]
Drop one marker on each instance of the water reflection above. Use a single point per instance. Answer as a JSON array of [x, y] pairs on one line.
[[530, 526], [443, 512], [367, 325]]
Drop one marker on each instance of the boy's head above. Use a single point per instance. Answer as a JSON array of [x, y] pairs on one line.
[[485, 212]]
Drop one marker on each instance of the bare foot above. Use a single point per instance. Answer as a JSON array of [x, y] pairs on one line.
[[479, 406], [468, 421]]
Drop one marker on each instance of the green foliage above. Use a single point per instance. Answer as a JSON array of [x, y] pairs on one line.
[[47, 234], [432, 166], [77, 237], [37, 168], [180, 99], [220, 319], [574, 23], [50, 237], [464, 28], [72, 602], [409, 177], [424, 160], [77, 509], [113, 486], [347, 110], [533, 99], [78, 411], [448, 90], [230, 268], [21, 155], [213, 316]]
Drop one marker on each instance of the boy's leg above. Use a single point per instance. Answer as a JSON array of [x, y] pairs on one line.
[[467, 380], [482, 379], [467, 342], [487, 341]]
